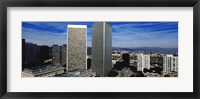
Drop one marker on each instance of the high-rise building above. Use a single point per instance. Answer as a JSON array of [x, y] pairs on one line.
[[126, 59], [101, 48], [63, 54], [143, 61], [170, 63], [77, 47], [30, 52], [43, 53], [119, 65], [56, 55]]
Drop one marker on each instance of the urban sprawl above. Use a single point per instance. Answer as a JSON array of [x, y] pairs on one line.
[[75, 59]]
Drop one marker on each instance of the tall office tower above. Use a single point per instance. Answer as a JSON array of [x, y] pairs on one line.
[[143, 61], [77, 47], [23, 53], [126, 59], [170, 63], [101, 48], [56, 55], [63, 54], [43, 53], [30, 52]]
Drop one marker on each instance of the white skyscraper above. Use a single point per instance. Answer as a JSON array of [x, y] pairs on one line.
[[76, 47], [143, 62], [170, 63]]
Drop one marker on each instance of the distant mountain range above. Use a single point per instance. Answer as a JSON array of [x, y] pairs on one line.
[[147, 49]]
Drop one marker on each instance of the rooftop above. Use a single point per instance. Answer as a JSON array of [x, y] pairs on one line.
[[77, 26]]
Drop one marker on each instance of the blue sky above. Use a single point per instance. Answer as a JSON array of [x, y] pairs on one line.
[[124, 34]]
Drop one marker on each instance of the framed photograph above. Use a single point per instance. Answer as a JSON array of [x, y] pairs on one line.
[[91, 49]]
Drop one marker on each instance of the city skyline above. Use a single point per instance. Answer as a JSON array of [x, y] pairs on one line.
[[119, 49], [125, 34]]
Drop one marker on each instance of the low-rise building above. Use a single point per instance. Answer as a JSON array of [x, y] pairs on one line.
[[43, 71]]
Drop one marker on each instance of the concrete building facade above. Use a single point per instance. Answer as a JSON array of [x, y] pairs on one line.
[[101, 48], [63, 54], [76, 47], [56, 55]]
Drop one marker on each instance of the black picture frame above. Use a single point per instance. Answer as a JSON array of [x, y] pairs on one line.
[[100, 3]]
